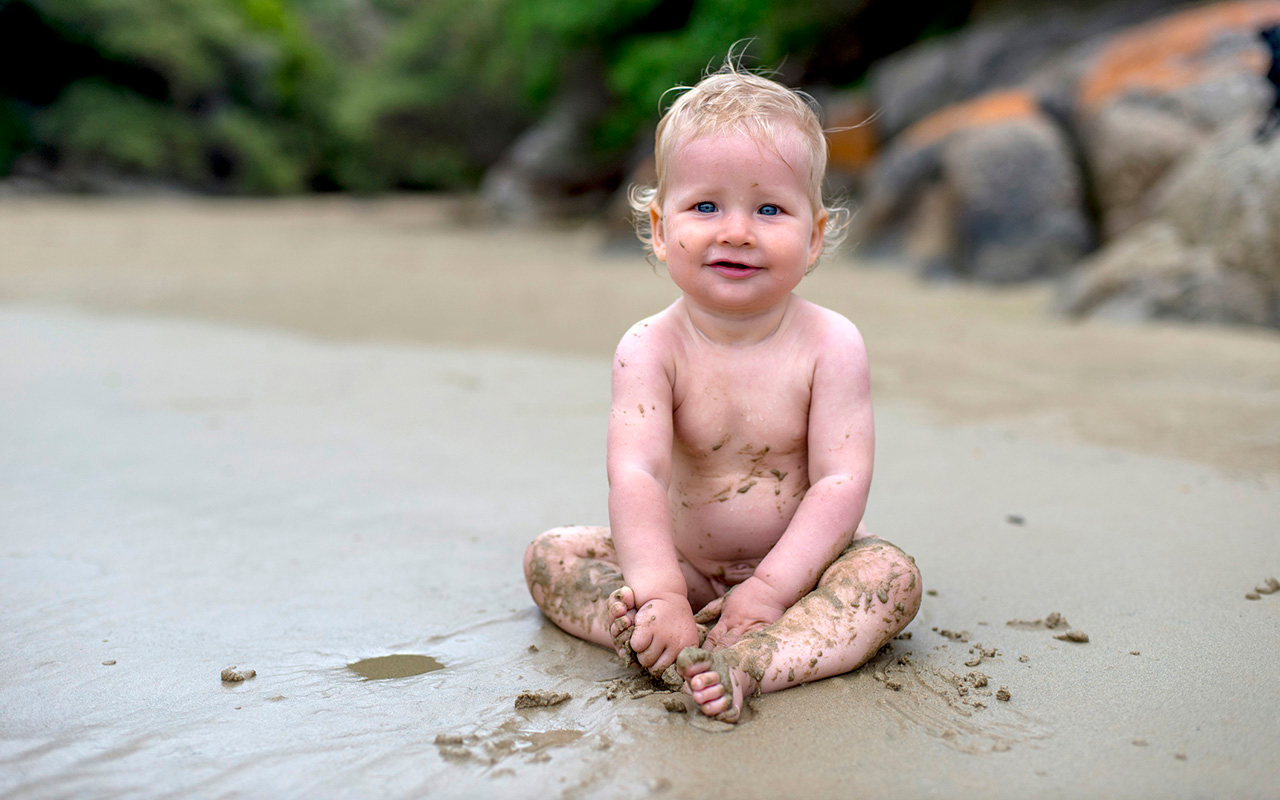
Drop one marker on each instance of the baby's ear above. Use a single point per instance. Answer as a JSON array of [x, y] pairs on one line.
[[657, 234], [818, 236]]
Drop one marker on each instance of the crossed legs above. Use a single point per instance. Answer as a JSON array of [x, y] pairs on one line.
[[863, 599]]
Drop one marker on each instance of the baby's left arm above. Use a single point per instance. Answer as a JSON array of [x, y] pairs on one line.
[[841, 445]]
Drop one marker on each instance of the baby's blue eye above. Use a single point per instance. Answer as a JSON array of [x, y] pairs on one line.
[[770, 210], [705, 207]]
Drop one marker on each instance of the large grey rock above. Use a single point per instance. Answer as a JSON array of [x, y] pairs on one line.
[[1130, 148], [1017, 201], [1152, 272], [1153, 96], [1227, 198], [1003, 48], [1210, 252]]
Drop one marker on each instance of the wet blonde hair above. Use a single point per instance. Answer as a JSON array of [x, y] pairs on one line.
[[732, 101]]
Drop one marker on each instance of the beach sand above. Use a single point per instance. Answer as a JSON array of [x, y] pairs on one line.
[[290, 437]]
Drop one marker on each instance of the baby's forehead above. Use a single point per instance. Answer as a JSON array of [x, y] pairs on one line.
[[782, 139]]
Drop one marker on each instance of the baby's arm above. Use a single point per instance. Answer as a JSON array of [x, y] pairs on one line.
[[841, 442], [639, 464]]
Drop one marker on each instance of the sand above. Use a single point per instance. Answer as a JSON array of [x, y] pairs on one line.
[[303, 435]]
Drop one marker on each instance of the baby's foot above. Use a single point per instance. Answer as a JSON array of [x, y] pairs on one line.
[[718, 686], [622, 610]]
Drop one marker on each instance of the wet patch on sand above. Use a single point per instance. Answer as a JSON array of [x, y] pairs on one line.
[[391, 667]]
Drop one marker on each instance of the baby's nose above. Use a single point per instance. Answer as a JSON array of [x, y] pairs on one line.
[[737, 230]]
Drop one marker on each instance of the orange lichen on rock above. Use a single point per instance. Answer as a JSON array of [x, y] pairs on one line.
[[987, 109], [852, 135], [1170, 52]]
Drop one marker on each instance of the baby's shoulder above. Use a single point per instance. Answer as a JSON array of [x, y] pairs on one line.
[[823, 328], [653, 339]]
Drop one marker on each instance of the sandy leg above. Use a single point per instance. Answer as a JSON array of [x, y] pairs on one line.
[[864, 599], [574, 578]]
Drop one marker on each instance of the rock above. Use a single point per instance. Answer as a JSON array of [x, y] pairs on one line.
[[1227, 199], [1152, 94], [1207, 254], [853, 136], [1019, 205], [1152, 273], [1131, 147], [551, 169], [986, 189], [998, 49]]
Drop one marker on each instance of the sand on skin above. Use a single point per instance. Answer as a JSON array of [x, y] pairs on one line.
[[276, 447]]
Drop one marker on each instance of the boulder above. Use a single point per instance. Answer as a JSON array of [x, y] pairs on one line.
[[1227, 198], [1153, 273], [1153, 94], [986, 189], [1130, 148], [1018, 202], [1209, 252], [1000, 48]]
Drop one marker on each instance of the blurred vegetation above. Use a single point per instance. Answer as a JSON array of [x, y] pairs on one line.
[[280, 96]]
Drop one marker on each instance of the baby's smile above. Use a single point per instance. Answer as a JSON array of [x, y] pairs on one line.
[[734, 269]]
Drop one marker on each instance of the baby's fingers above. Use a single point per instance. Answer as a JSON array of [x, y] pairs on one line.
[[710, 612], [641, 638], [721, 636], [664, 659]]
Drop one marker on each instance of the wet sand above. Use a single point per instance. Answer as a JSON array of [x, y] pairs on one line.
[[291, 437]]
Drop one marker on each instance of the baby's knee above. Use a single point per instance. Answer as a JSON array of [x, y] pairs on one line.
[[907, 589], [882, 570], [549, 551], [543, 551]]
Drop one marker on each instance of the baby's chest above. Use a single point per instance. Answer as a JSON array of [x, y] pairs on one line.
[[722, 413]]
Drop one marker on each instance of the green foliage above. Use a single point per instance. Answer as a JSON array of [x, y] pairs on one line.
[[258, 155], [15, 134], [95, 124], [270, 96]]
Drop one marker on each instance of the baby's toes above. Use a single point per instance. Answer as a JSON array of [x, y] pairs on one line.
[[622, 600], [704, 681], [621, 624]]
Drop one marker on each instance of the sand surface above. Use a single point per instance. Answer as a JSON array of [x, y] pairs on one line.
[[292, 437]]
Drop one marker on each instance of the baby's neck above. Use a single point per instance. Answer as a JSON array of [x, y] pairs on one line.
[[736, 329]]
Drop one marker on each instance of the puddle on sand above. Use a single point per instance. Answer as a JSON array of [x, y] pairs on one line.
[[397, 666]]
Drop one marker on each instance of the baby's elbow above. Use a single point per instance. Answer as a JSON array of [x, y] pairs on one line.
[[634, 475]]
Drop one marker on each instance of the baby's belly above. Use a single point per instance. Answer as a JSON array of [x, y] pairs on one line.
[[725, 527]]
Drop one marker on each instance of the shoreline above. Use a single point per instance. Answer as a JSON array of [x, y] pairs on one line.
[[422, 271]]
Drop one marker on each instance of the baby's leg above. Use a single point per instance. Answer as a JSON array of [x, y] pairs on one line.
[[573, 575], [864, 599]]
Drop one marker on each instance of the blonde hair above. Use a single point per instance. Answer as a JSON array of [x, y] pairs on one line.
[[731, 101]]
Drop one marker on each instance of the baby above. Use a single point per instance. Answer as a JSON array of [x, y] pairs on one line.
[[740, 439]]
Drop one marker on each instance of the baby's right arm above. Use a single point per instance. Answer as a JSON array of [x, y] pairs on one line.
[[639, 465]]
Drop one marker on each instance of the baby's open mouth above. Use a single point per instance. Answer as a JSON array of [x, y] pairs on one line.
[[733, 265]]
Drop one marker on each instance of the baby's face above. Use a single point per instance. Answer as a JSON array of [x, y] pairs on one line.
[[736, 228]]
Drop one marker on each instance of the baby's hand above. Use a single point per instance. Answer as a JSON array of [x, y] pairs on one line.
[[749, 606], [664, 626]]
